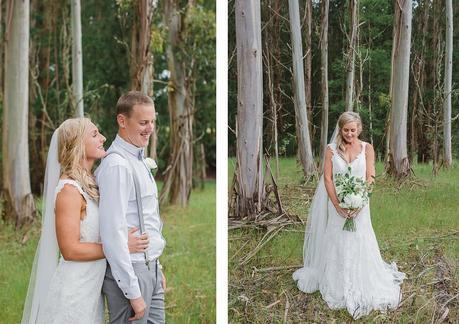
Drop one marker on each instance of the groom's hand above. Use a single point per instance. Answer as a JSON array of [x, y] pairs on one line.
[[138, 305]]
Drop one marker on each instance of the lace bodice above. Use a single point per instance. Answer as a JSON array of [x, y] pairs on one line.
[[358, 165], [74, 295], [89, 225]]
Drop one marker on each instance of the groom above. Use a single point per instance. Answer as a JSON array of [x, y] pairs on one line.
[[134, 283]]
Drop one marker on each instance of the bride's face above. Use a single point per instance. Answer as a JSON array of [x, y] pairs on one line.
[[350, 132], [94, 143]]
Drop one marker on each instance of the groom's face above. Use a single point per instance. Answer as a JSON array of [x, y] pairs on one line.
[[138, 127]]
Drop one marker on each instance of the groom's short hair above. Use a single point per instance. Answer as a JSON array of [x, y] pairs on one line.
[[127, 101]]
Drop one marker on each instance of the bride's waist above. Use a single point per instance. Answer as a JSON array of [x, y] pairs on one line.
[[65, 262]]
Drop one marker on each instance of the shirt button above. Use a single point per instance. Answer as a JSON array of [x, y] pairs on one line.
[[125, 293]]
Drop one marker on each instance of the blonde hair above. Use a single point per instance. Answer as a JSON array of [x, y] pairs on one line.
[[345, 118], [71, 154]]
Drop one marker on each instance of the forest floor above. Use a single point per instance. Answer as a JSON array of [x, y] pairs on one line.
[[417, 226], [188, 261]]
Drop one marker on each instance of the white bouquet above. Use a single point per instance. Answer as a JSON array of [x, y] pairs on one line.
[[353, 193]]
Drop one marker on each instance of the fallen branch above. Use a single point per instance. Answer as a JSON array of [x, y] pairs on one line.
[[278, 268], [265, 239], [287, 307]]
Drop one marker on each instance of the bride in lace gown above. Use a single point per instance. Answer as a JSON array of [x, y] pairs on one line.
[[68, 289], [346, 267]]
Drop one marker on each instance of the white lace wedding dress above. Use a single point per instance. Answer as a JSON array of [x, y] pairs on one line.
[[74, 295], [351, 273]]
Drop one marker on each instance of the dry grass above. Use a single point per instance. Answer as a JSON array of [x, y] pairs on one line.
[[416, 226]]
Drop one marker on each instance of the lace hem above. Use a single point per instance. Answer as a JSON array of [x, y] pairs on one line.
[[307, 279]]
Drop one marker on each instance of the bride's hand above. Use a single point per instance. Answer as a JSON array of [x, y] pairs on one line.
[[342, 212], [137, 243], [354, 213]]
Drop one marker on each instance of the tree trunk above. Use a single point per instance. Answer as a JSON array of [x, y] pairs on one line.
[[19, 203], [448, 160], [179, 172], [434, 113], [324, 79], [418, 132], [302, 127], [249, 125], [353, 7], [77, 58], [370, 105], [273, 104], [308, 69], [2, 44], [399, 163], [141, 58]]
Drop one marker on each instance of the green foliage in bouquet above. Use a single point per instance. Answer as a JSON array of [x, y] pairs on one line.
[[353, 193]]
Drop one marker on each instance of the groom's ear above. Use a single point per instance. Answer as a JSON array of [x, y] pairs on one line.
[[121, 119]]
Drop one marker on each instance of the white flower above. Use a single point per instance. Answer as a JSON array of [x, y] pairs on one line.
[[353, 201], [151, 163]]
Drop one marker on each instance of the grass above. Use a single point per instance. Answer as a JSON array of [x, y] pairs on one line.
[[188, 261], [417, 226]]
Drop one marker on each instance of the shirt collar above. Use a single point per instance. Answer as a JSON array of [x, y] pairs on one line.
[[138, 152]]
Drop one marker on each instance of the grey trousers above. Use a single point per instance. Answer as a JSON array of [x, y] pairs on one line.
[[151, 287]]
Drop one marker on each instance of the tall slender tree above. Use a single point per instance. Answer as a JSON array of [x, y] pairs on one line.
[[301, 117], [178, 179], [324, 7], [308, 62], [19, 201], [448, 160], [399, 165], [141, 57], [249, 127], [1, 49], [141, 60], [350, 67], [77, 58]]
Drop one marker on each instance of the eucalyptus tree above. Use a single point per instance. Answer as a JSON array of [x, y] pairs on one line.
[[249, 124], [399, 165], [448, 160], [350, 66], [179, 172], [77, 58], [19, 203], [324, 7], [301, 117]]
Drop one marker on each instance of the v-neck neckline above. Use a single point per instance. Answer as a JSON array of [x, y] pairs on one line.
[[356, 157]]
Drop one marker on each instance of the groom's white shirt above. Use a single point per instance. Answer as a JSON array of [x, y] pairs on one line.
[[118, 212]]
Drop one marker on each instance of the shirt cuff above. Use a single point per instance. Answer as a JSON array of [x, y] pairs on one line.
[[132, 292]]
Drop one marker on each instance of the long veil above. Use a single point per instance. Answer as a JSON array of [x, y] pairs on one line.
[[47, 253], [308, 277]]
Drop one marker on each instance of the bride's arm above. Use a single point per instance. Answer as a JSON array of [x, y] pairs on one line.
[[330, 186], [69, 203], [370, 158], [328, 177]]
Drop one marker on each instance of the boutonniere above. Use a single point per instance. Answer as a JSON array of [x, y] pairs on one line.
[[151, 164]]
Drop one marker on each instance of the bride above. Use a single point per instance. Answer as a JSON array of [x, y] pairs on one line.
[[345, 266], [68, 290]]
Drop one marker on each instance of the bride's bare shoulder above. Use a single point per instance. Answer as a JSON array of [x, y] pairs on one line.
[[369, 148]]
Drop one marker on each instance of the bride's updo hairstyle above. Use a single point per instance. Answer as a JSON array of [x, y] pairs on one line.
[[345, 118], [71, 154]]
